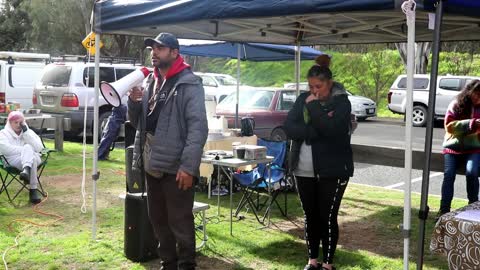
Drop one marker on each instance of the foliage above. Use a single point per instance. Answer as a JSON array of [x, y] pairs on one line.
[[14, 23], [368, 74], [458, 63], [57, 27]]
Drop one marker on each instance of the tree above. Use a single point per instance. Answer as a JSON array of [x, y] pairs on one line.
[[422, 52], [58, 27], [369, 74], [14, 23]]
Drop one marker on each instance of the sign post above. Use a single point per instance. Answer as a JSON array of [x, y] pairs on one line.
[[89, 43]]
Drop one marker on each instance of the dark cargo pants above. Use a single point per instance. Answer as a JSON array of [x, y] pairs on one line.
[[170, 212]]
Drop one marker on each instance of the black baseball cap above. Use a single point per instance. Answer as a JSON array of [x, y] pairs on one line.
[[163, 39]]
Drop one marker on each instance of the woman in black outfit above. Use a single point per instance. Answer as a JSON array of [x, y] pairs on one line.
[[321, 158]]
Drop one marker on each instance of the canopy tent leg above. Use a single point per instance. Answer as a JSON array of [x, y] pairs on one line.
[[297, 68], [95, 173], [423, 213], [408, 8], [239, 48]]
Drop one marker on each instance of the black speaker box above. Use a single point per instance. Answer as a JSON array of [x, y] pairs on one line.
[[135, 178], [140, 244], [129, 134]]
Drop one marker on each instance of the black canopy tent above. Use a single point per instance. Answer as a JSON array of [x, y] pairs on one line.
[[300, 22]]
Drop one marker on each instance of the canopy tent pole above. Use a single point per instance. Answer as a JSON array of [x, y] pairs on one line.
[[95, 174], [239, 46], [408, 8], [297, 68], [423, 213]]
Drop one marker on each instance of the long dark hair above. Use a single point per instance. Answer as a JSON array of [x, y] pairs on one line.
[[464, 99]]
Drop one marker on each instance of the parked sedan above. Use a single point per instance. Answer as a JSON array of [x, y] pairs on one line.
[[267, 106], [362, 107]]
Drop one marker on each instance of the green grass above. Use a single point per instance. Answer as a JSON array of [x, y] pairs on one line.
[[384, 112], [370, 236]]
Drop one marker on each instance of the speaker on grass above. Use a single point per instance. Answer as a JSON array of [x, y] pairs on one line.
[[113, 92]]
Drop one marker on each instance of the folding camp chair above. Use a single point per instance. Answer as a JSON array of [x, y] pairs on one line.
[[261, 181], [10, 176]]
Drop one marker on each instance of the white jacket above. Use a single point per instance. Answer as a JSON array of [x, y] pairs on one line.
[[11, 143]]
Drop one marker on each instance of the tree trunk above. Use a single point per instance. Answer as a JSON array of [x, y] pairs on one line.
[[122, 43], [422, 50]]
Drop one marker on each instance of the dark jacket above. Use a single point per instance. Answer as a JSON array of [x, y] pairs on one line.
[[328, 131], [181, 129]]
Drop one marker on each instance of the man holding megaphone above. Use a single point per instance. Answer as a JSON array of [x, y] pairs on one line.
[[171, 123]]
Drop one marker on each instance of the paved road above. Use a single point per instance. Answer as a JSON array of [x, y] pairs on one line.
[[392, 133]]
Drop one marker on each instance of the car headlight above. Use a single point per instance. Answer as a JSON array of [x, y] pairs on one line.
[[357, 106]]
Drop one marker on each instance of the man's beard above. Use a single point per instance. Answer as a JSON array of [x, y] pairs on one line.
[[164, 64]]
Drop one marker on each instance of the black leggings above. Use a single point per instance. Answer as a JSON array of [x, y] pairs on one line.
[[320, 201]]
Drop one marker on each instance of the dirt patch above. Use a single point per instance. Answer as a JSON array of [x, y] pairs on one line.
[[358, 235], [72, 180], [63, 181], [203, 263], [70, 184], [293, 226]]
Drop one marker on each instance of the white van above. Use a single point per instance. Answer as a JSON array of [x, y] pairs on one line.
[[18, 74]]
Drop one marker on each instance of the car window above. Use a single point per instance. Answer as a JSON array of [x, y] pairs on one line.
[[249, 99], [107, 74], [450, 84], [468, 81], [208, 81], [56, 75], [122, 72], [287, 99], [418, 83]]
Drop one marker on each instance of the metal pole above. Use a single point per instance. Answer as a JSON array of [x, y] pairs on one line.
[[297, 68], [423, 213], [95, 174], [238, 83], [410, 12]]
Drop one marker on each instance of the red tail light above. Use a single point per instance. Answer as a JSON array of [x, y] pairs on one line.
[[2, 97], [69, 100], [34, 99], [389, 97]]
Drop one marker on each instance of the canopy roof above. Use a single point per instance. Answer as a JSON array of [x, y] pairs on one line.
[[249, 51], [284, 21]]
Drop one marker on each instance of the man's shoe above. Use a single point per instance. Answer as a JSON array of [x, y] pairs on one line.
[[25, 175], [310, 267], [35, 197]]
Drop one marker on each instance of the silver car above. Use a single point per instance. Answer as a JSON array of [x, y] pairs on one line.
[[362, 107]]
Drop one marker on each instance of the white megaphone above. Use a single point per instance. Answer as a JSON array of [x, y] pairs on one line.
[[113, 92]]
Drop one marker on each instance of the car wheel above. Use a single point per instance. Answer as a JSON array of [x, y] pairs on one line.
[[278, 135], [419, 117]]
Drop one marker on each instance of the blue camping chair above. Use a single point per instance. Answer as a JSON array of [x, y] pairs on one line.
[[258, 181]]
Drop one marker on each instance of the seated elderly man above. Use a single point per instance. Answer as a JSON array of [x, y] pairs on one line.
[[21, 146]]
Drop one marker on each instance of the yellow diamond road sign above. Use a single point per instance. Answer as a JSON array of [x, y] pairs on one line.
[[89, 43]]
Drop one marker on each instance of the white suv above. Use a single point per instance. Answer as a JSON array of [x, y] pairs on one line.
[[448, 88], [66, 88], [362, 107]]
